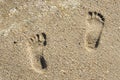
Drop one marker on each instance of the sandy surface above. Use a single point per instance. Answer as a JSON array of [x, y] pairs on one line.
[[59, 40]]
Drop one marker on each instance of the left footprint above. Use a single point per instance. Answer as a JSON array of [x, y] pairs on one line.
[[37, 42]]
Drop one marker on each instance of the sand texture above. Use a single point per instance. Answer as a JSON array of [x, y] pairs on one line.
[[59, 40]]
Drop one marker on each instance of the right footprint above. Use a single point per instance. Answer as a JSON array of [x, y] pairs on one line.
[[94, 30]]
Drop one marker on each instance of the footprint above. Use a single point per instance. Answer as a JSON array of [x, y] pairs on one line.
[[95, 24], [38, 42]]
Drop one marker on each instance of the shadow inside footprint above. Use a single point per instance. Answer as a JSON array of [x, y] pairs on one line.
[[43, 62], [97, 42], [45, 42]]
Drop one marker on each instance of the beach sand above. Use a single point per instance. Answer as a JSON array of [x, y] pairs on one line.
[[59, 40]]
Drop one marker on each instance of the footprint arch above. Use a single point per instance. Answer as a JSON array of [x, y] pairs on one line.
[[95, 25]]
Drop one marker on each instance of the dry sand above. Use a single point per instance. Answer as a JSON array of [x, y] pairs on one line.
[[59, 40]]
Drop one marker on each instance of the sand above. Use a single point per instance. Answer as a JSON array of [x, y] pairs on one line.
[[59, 40]]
